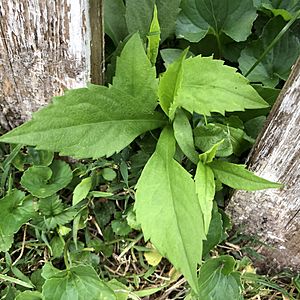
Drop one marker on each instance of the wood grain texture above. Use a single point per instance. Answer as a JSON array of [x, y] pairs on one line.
[[44, 49], [274, 215]]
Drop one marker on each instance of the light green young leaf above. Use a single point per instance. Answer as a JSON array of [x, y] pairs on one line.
[[170, 83], [82, 190], [43, 182], [218, 279], [136, 76], [205, 189], [184, 136], [209, 155], [153, 38], [80, 282], [168, 209], [114, 21], [232, 17], [277, 63], [286, 9], [217, 88], [16, 209], [139, 14], [238, 177]]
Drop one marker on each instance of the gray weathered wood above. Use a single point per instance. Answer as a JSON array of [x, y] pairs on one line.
[[44, 49], [274, 215]]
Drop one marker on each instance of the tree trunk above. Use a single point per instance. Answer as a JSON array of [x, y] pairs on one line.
[[45, 48], [274, 215]]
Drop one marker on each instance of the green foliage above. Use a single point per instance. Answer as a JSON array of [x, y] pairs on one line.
[[151, 130], [232, 17], [166, 197], [43, 181], [153, 38], [81, 282], [276, 64], [237, 177], [16, 209], [217, 278], [217, 88]]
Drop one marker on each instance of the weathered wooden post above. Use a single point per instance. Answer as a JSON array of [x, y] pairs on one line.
[[45, 48], [274, 215]]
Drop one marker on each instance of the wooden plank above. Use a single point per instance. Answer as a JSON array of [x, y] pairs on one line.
[[44, 49], [274, 215]]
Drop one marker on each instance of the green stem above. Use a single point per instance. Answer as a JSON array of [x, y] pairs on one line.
[[219, 44], [274, 42]]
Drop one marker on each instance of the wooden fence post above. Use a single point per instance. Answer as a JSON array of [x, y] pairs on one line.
[[274, 215], [45, 48]]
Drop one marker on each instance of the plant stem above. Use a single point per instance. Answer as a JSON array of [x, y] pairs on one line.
[[274, 42]]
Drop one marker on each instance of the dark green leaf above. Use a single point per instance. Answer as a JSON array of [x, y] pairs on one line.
[[218, 279], [120, 227], [43, 182], [80, 282], [114, 21], [16, 209], [278, 62], [232, 17]]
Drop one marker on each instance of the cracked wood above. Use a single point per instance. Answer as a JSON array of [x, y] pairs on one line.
[[274, 215], [44, 49]]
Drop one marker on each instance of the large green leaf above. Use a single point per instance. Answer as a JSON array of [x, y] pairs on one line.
[[136, 76], [43, 181], [277, 63], [15, 210], [238, 177], [232, 17], [168, 209], [184, 136], [217, 88], [217, 280], [205, 188], [80, 283], [84, 122], [114, 21]]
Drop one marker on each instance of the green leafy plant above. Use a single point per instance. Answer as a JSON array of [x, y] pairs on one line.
[[173, 209], [174, 123]]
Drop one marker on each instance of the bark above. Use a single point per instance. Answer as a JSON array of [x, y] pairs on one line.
[[274, 215], [45, 49]]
